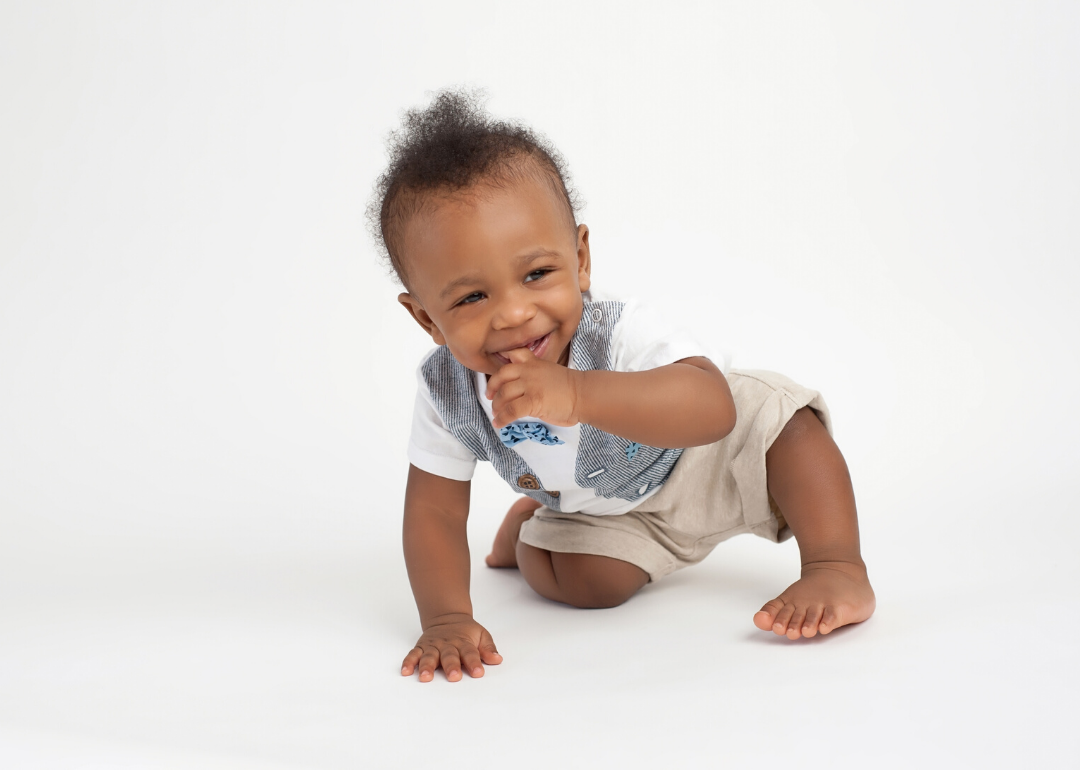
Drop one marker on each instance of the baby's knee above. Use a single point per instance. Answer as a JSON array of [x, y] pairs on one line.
[[588, 581], [805, 421]]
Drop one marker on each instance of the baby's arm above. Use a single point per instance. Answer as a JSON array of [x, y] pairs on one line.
[[687, 403], [683, 404], [437, 558]]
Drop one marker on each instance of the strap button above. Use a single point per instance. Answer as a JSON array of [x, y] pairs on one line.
[[528, 481]]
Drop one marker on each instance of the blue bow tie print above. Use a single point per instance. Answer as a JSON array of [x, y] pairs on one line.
[[516, 432]]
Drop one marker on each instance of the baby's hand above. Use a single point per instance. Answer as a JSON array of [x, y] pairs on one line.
[[530, 387], [454, 643]]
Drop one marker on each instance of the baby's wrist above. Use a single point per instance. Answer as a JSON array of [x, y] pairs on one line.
[[853, 565], [579, 396], [445, 619]]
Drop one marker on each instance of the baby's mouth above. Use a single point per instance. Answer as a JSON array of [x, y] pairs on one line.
[[538, 347]]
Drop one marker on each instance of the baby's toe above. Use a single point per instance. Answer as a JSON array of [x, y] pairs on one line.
[[780, 625], [830, 620], [812, 621], [767, 614], [794, 630]]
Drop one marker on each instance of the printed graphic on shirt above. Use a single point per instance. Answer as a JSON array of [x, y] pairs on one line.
[[516, 432]]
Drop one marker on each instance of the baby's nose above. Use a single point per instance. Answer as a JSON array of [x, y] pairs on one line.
[[513, 312]]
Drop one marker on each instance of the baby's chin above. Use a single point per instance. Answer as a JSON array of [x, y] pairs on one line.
[[477, 362]]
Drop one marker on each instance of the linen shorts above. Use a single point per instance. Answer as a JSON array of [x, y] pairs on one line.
[[714, 492]]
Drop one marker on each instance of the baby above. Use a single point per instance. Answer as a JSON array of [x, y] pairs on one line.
[[636, 453]]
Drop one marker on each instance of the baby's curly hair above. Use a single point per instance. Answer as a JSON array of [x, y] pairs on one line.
[[447, 148]]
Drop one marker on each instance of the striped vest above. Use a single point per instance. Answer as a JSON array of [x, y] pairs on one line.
[[609, 465]]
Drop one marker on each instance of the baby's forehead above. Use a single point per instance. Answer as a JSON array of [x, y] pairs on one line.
[[474, 231], [486, 212]]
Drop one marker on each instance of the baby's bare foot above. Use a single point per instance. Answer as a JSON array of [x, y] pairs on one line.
[[829, 595], [504, 549]]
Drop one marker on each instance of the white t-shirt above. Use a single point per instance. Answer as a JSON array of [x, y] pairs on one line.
[[641, 340]]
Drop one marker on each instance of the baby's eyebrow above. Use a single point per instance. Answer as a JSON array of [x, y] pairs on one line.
[[532, 256], [453, 286], [470, 280]]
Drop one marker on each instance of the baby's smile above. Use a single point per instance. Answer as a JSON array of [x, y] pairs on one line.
[[538, 346]]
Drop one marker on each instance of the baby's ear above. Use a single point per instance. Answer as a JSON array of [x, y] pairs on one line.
[[584, 258], [416, 310]]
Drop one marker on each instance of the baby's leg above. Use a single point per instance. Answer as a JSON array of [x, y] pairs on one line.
[[579, 579], [809, 481]]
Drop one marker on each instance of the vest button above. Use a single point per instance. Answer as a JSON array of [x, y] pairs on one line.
[[528, 481], [554, 494]]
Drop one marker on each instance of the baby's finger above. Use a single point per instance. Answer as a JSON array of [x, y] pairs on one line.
[[520, 407], [470, 661], [488, 653], [519, 355], [451, 662], [508, 373], [507, 393], [409, 664], [429, 661]]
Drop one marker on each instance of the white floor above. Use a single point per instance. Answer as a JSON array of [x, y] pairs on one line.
[[288, 662], [206, 382]]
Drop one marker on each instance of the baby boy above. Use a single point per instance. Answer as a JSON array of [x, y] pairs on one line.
[[636, 454]]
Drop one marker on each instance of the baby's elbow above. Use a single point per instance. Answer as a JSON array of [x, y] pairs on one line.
[[725, 417], [722, 426], [713, 413], [712, 428], [723, 403], [727, 423]]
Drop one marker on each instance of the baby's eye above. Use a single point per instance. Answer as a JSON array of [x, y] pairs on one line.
[[474, 297], [536, 275]]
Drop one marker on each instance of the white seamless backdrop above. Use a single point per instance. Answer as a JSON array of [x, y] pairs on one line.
[[206, 381]]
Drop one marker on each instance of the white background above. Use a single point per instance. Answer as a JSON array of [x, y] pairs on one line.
[[206, 381]]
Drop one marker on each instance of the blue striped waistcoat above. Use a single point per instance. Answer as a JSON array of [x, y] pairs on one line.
[[611, 466]]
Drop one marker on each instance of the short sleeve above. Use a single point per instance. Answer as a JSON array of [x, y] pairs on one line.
[[432, 447], [645, 339]]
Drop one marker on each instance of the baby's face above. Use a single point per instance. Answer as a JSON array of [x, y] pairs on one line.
[[498, 270]]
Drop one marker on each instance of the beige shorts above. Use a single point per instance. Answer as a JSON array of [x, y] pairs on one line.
[[714, 492]]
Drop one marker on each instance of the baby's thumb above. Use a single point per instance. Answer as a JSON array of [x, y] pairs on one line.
[[488, 653]]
